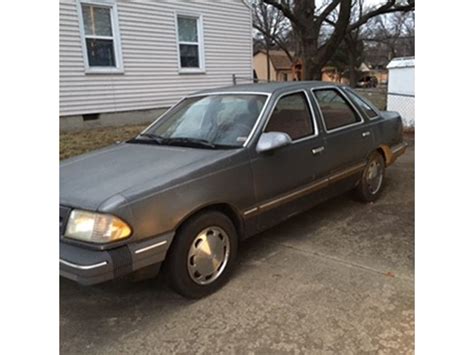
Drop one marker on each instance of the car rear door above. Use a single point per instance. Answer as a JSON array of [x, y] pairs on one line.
[[348, 138], [282, 176]]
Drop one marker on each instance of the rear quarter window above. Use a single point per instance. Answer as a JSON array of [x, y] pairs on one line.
[[362, 104], [336, 111]]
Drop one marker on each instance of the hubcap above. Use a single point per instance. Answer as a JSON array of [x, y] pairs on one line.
[[208, 255], [374, 177]]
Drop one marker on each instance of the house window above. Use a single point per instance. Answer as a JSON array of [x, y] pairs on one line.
[[100, 37], [191, 53]]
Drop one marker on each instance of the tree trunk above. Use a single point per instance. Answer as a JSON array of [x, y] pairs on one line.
[[268, 62], [315, 57], [352, 69], [352, 77], [305, 31], [312, 67], [313, 72]]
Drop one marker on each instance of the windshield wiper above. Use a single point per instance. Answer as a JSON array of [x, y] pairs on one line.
[[180, 141], [192, 142], [154, 138], [158, 139]]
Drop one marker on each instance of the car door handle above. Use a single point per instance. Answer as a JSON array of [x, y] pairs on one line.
[[366, 134], [317, 150]]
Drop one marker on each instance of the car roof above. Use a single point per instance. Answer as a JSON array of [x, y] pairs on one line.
[[271, 88]]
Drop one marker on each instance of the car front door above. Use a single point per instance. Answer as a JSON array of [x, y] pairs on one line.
[[348, 139], [284, 175]]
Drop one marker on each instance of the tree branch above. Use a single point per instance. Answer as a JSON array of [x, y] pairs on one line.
[[284, 9], [386, 8], [324, 14], [330, 8], [275, 39], [337, 36]]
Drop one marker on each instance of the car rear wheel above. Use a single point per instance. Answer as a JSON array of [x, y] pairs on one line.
[[202, 255], [371, 183]]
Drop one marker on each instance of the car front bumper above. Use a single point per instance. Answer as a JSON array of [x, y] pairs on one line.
[[89, 267]]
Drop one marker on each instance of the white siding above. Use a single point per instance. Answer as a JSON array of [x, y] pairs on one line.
[[150, 59]]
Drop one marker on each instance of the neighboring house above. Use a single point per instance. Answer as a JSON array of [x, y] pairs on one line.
[[332, 74], [281, 67], [125, 62], [401, 88]]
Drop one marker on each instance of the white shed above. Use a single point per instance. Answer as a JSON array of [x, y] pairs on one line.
[[401, 88]]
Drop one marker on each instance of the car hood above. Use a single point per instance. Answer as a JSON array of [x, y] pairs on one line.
[[87, 181]]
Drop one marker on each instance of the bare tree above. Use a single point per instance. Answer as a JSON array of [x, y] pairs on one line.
[[389, 30], [390, 36], [272, 29], [409, 30], [353, 44], [318, 43]]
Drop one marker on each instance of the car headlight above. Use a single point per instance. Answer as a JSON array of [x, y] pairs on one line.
[[96, 227]]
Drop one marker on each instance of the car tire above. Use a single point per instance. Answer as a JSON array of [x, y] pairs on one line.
[[190, 270], [372, 179]]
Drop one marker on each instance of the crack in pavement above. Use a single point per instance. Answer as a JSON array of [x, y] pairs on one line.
[[340, 261]]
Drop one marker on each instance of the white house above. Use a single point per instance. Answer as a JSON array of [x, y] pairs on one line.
[[401, 88], [127, 61]]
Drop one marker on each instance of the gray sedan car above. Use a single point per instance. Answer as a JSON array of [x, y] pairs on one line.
[[218, 167]]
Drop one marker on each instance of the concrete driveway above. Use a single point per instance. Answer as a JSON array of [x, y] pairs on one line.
[[337, 279]]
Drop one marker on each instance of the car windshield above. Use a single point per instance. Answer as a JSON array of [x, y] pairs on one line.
[[223, 120]]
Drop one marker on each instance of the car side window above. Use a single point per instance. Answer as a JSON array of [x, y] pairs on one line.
[[364, 106], [292, 116], [335, 109]]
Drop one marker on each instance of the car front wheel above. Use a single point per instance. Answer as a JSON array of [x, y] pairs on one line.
[[202, 255]]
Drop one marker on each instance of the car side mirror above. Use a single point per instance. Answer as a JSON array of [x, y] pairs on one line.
[[272, 140]]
